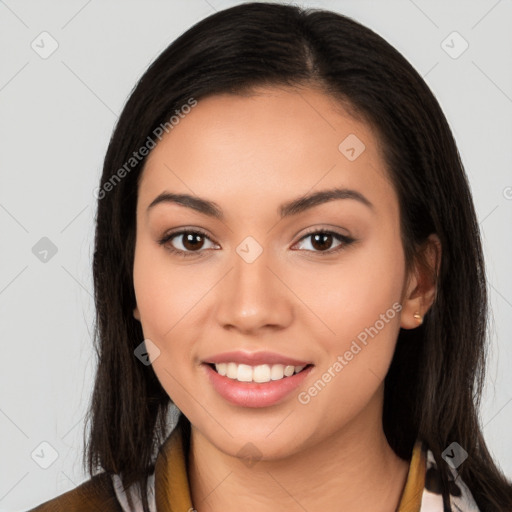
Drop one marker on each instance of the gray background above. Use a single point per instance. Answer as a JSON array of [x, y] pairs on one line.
[[56, 118]]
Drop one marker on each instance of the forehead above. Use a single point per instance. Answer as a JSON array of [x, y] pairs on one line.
[[273, 143]]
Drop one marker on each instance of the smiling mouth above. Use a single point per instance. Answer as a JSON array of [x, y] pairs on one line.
[[260, 373]]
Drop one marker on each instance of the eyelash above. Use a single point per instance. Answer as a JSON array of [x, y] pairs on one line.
[[346, 241]]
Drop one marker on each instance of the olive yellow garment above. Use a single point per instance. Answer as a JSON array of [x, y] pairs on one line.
[[169, 491], [173, 493]]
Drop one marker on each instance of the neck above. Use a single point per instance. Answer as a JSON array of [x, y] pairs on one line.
[[352, 470]]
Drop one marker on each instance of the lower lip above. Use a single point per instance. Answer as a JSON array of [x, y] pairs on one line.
[[255, 394]]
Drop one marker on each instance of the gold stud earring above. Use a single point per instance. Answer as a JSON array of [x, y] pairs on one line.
[[418, 317]]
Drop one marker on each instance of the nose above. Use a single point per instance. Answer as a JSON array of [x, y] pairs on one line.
[[254, 297]]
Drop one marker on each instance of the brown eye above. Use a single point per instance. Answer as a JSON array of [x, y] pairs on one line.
[[193, 241], [322, 241], [185, 243]]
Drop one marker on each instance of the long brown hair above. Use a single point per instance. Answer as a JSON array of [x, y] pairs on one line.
[[433, 387]]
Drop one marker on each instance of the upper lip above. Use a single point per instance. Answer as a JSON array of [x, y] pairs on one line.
[[254, 358]]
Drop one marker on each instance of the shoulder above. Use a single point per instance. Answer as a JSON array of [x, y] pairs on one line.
[[94, 494]]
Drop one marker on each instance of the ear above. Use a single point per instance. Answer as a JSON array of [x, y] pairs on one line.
[[421, 287], [136, 313]]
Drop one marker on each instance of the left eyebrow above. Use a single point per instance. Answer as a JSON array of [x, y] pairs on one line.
[[323, 196], [299, 205]]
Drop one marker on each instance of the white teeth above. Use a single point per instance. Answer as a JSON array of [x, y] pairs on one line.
[[222, 368], [260, 373], [244, 373], [277, 372], [232, 370], [289, 370]]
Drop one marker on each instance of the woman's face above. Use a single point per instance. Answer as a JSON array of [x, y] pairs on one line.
[[256, 290]]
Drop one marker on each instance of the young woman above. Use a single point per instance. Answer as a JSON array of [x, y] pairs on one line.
[[286, 251]]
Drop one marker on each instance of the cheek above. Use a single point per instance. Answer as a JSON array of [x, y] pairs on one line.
[[372, 303], [165, 291], [351, 295], [160, 293], [169, 299], [354, 368], [360, 303]]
